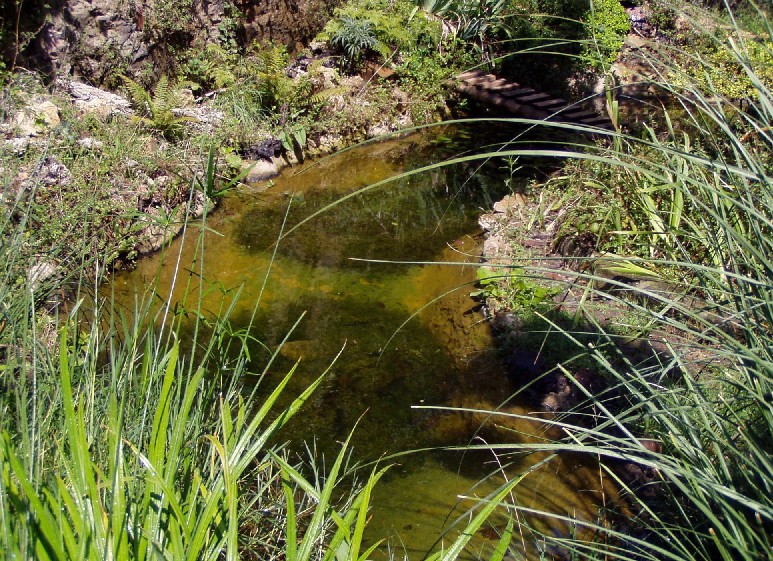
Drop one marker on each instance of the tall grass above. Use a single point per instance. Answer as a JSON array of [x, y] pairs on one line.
[[692, 194], [698, 186], [120, 441]]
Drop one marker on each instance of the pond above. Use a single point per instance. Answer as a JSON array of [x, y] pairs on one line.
[[408, 334]]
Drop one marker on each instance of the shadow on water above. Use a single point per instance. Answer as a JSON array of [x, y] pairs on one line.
[[443, 356]]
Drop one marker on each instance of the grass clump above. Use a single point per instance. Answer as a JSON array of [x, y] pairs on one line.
[[119, 439], [688, 199]]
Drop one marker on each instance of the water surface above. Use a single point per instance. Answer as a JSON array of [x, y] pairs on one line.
[[403, 346]]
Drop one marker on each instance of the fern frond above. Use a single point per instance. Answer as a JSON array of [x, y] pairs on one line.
[[272, 60], [163, 97], [138, 96], [323, 95]]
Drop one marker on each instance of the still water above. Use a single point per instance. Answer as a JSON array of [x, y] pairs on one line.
[[411, 335]]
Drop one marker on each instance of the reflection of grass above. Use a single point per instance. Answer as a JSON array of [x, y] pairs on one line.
[[391, 223]]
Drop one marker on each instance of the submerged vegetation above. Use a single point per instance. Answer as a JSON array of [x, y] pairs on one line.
[[119, 440]]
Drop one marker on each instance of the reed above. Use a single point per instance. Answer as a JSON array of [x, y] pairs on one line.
[[698, 187]]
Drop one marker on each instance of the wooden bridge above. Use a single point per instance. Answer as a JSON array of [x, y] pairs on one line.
[[525, 102]]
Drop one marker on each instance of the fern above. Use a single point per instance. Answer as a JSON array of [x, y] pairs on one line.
[[272, 60], [274, 84], [320, 97], [156, 112], [138, 96]]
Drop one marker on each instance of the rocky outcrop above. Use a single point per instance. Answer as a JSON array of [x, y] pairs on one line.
[[102, 39], [89, 99], [91, 38], [292, 23]]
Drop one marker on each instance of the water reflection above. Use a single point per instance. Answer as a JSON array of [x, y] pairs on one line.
[[443, 356]]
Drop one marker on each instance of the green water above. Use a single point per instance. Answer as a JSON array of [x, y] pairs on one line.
[[442, 356]]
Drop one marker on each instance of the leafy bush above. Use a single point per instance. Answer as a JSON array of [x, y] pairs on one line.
[[607, 26]]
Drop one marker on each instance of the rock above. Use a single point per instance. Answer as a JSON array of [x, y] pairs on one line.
[[639, 17], [38, 117], [89, 99], [90, 143], [353, 83], [18, 146], [204, 118], [267, 150], [509, 203], [39, 273], [380, 129], [49, 172], [91, 38], [200, 204], [186, 97], [317, 47], [158, 231], [402, 99], [379, 71], [260, 170], [329, 77], [329, 143], [283, 22], [644, 480]]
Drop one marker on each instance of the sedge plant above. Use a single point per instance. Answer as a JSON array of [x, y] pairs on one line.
[[696, 190], [132, 436], [698, 187]]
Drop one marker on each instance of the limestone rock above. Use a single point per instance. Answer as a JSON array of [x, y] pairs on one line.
[[90, 143], [288, 23], [329, 77], [91, 38], [93, 100], [38, 117], [18, 146], [402, 99], [157, 231], [509, 203], [260, 171], [203, 118], [101, 38], [39, 273], [48, 172]]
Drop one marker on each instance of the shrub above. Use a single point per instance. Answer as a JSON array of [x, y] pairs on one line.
[[607, 25]]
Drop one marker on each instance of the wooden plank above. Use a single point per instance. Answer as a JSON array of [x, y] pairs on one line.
[[555, 102], [517, 92], [468, 75], [498, 84], [534, 97], [578, 115]]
